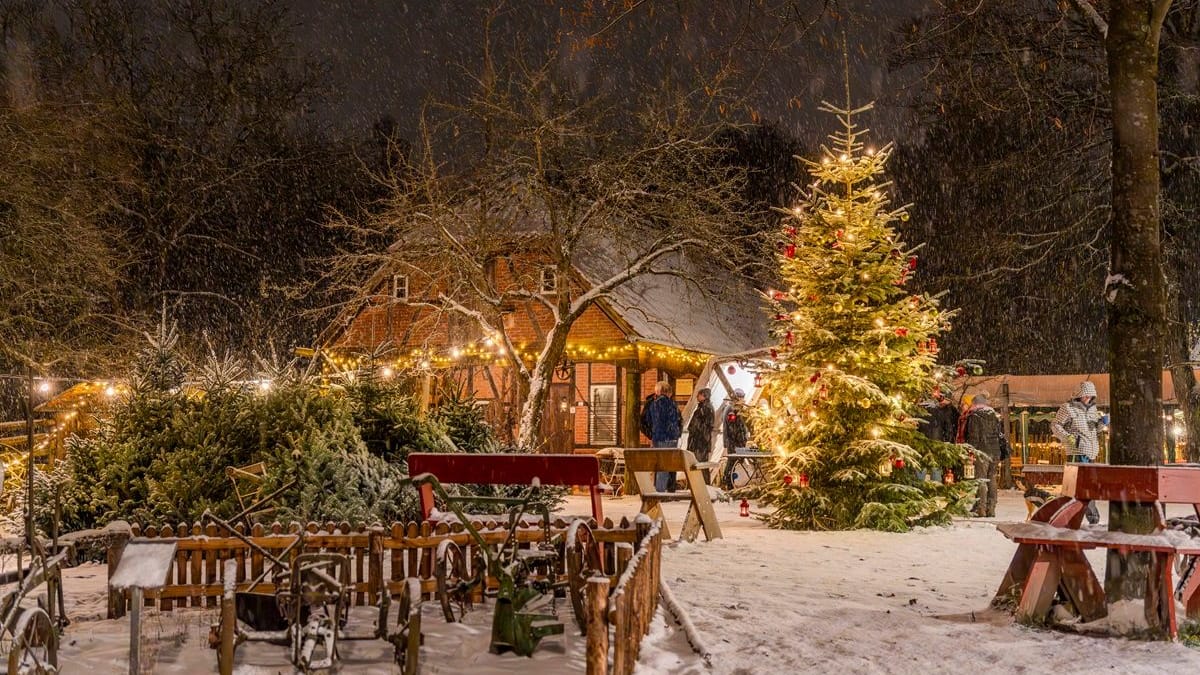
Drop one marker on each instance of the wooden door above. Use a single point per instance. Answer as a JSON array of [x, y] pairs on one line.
[[558, 423]]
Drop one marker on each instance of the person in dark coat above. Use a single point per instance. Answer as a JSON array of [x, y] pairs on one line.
[[983, 432], [700, 429], [940, 424], [737, 432], [666, 424]]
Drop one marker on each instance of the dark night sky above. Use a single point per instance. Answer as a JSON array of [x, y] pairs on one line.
[[389, 57]]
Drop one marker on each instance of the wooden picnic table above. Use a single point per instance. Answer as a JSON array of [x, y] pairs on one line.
[[1050, 547]]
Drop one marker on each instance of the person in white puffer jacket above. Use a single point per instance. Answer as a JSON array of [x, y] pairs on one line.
[[1076, 423], [1075, 426]]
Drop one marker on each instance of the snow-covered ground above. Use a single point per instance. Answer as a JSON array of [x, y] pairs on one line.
[[764, 601]]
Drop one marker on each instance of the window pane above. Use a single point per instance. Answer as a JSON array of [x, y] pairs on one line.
[[602, 415]]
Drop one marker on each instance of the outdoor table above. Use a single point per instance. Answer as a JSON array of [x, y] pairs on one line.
[[751, 459], [1050, 555]]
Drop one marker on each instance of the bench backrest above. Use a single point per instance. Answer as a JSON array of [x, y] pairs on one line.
[[659, 459], [508, 469]]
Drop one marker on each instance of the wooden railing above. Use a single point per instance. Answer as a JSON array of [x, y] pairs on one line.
[[622, 616], [381, 556]]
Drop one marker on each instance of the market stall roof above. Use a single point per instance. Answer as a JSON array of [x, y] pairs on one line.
[[1049, 390]]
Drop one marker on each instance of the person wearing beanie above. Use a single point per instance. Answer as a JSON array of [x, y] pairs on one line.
[[1075, 426], [983, 431]]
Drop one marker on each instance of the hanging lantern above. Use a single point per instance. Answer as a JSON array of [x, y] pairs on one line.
[[885, 467], [883, 348], [969, 467], [933, 346], [757, 380], [948, 477], [744, 509], [803, 482]]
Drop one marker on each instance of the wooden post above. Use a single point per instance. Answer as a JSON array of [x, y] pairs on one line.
[[228, 619], [597, 626], [135, 631], [116, 546]]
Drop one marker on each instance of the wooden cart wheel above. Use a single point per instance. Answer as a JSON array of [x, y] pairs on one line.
[[455, 582], [584, 560], [35, 644], [407, 638]]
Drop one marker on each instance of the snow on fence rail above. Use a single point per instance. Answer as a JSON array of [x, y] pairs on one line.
[[625, 611], [380, 556]]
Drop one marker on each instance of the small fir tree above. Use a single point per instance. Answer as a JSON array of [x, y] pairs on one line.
[[857, 354]]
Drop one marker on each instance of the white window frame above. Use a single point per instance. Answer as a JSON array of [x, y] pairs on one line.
[[594, 419], [549, 274], [400, 287]]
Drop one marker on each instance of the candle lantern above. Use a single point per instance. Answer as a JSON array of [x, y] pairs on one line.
[[744, 509]]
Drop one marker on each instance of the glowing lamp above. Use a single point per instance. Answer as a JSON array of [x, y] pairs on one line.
[[803, 482], [744, 509]]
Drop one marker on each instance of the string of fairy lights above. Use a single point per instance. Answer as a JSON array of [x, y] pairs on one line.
[[490, 352]]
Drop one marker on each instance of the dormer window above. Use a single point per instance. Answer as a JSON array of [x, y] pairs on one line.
[[549, 280], [400, 287]]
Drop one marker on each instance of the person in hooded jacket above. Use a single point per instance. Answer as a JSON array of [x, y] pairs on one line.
[[700, 429], [1075, 425], [736, 432], [939, 424]]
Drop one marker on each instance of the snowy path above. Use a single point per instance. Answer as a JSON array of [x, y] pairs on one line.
[[765, 602]]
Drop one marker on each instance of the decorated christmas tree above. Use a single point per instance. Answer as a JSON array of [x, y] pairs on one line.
[[857, 354]]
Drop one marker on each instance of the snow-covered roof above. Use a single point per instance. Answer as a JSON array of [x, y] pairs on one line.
[[699, 307]]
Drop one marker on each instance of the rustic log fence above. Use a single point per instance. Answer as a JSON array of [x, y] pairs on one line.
[[382, 557], [622, 616]]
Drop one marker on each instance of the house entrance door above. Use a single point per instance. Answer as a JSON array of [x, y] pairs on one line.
[[558, 424]]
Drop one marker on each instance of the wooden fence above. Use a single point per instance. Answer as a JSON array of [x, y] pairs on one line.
[[622, 616], [381, 556]]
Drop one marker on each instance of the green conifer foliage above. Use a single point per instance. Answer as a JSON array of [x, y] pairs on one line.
[[856, 355]]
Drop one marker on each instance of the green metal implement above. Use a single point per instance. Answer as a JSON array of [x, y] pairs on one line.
[[523, 576]]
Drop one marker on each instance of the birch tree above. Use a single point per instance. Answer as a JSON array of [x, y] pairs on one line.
[[528, 164]]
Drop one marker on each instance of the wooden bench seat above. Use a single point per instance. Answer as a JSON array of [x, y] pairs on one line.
[[1050, 558]]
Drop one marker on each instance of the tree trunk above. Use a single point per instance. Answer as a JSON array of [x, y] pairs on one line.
[[534, 405], [1136, 308], [1183, 377]]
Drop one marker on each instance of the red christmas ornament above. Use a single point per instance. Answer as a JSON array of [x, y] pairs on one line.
[[779, 295], [803, 480], [787, 480], [789, 231], [898, 463], [960, 371], [774, 353], [901, 332], [744, 509], [815, 376], [781, 317], [787, 338], [839, 234], [731, 417], [912, 263], [789, 251]]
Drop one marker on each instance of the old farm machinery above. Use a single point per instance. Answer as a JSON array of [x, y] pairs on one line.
[[308, 608], [523, 582], [31, 632]]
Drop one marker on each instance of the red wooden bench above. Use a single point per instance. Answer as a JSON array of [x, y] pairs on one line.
[[508, 469], [1050, 548]]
